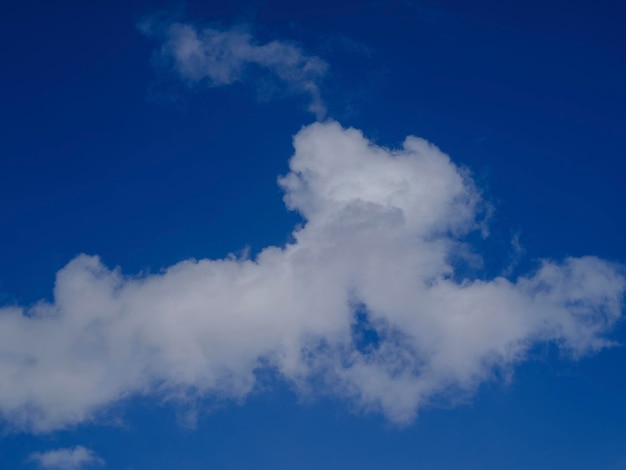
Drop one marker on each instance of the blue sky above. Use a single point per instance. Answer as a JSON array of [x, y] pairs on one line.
[[220, 248]]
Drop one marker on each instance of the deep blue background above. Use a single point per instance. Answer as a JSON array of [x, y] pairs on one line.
[[101, 154]]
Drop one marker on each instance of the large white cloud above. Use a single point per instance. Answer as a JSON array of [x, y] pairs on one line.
[[221, 56], [382, 228]]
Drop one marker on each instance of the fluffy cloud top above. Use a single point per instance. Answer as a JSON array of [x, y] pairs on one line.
[[375, 255], [74, 458], [221, 56]]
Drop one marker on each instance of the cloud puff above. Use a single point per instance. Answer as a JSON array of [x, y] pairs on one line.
[[363, 304], [221, 56], [74, 458]]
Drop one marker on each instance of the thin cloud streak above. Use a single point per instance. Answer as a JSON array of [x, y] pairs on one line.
[[74, 458]]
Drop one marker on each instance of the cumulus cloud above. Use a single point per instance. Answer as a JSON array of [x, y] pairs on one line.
[[74, 458], [364, 303], [221, 57]]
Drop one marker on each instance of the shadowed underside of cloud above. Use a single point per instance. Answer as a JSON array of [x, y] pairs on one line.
[[381, 230], [220, 57], [75, 458]]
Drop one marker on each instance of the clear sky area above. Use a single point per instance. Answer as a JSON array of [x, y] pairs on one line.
[[312, 235]]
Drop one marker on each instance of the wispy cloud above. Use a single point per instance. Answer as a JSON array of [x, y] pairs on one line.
[[381, 228], [220, 57], [516, 253], [74, 458]]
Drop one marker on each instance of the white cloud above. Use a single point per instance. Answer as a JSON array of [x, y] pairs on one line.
[[74, 458], [221, 56], [382, 230]]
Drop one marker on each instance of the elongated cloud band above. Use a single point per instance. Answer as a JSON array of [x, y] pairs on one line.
[[221, 56], [74, 458], [373, 260]]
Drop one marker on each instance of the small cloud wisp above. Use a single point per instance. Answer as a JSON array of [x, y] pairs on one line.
[[74, 458], [219, 57]]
